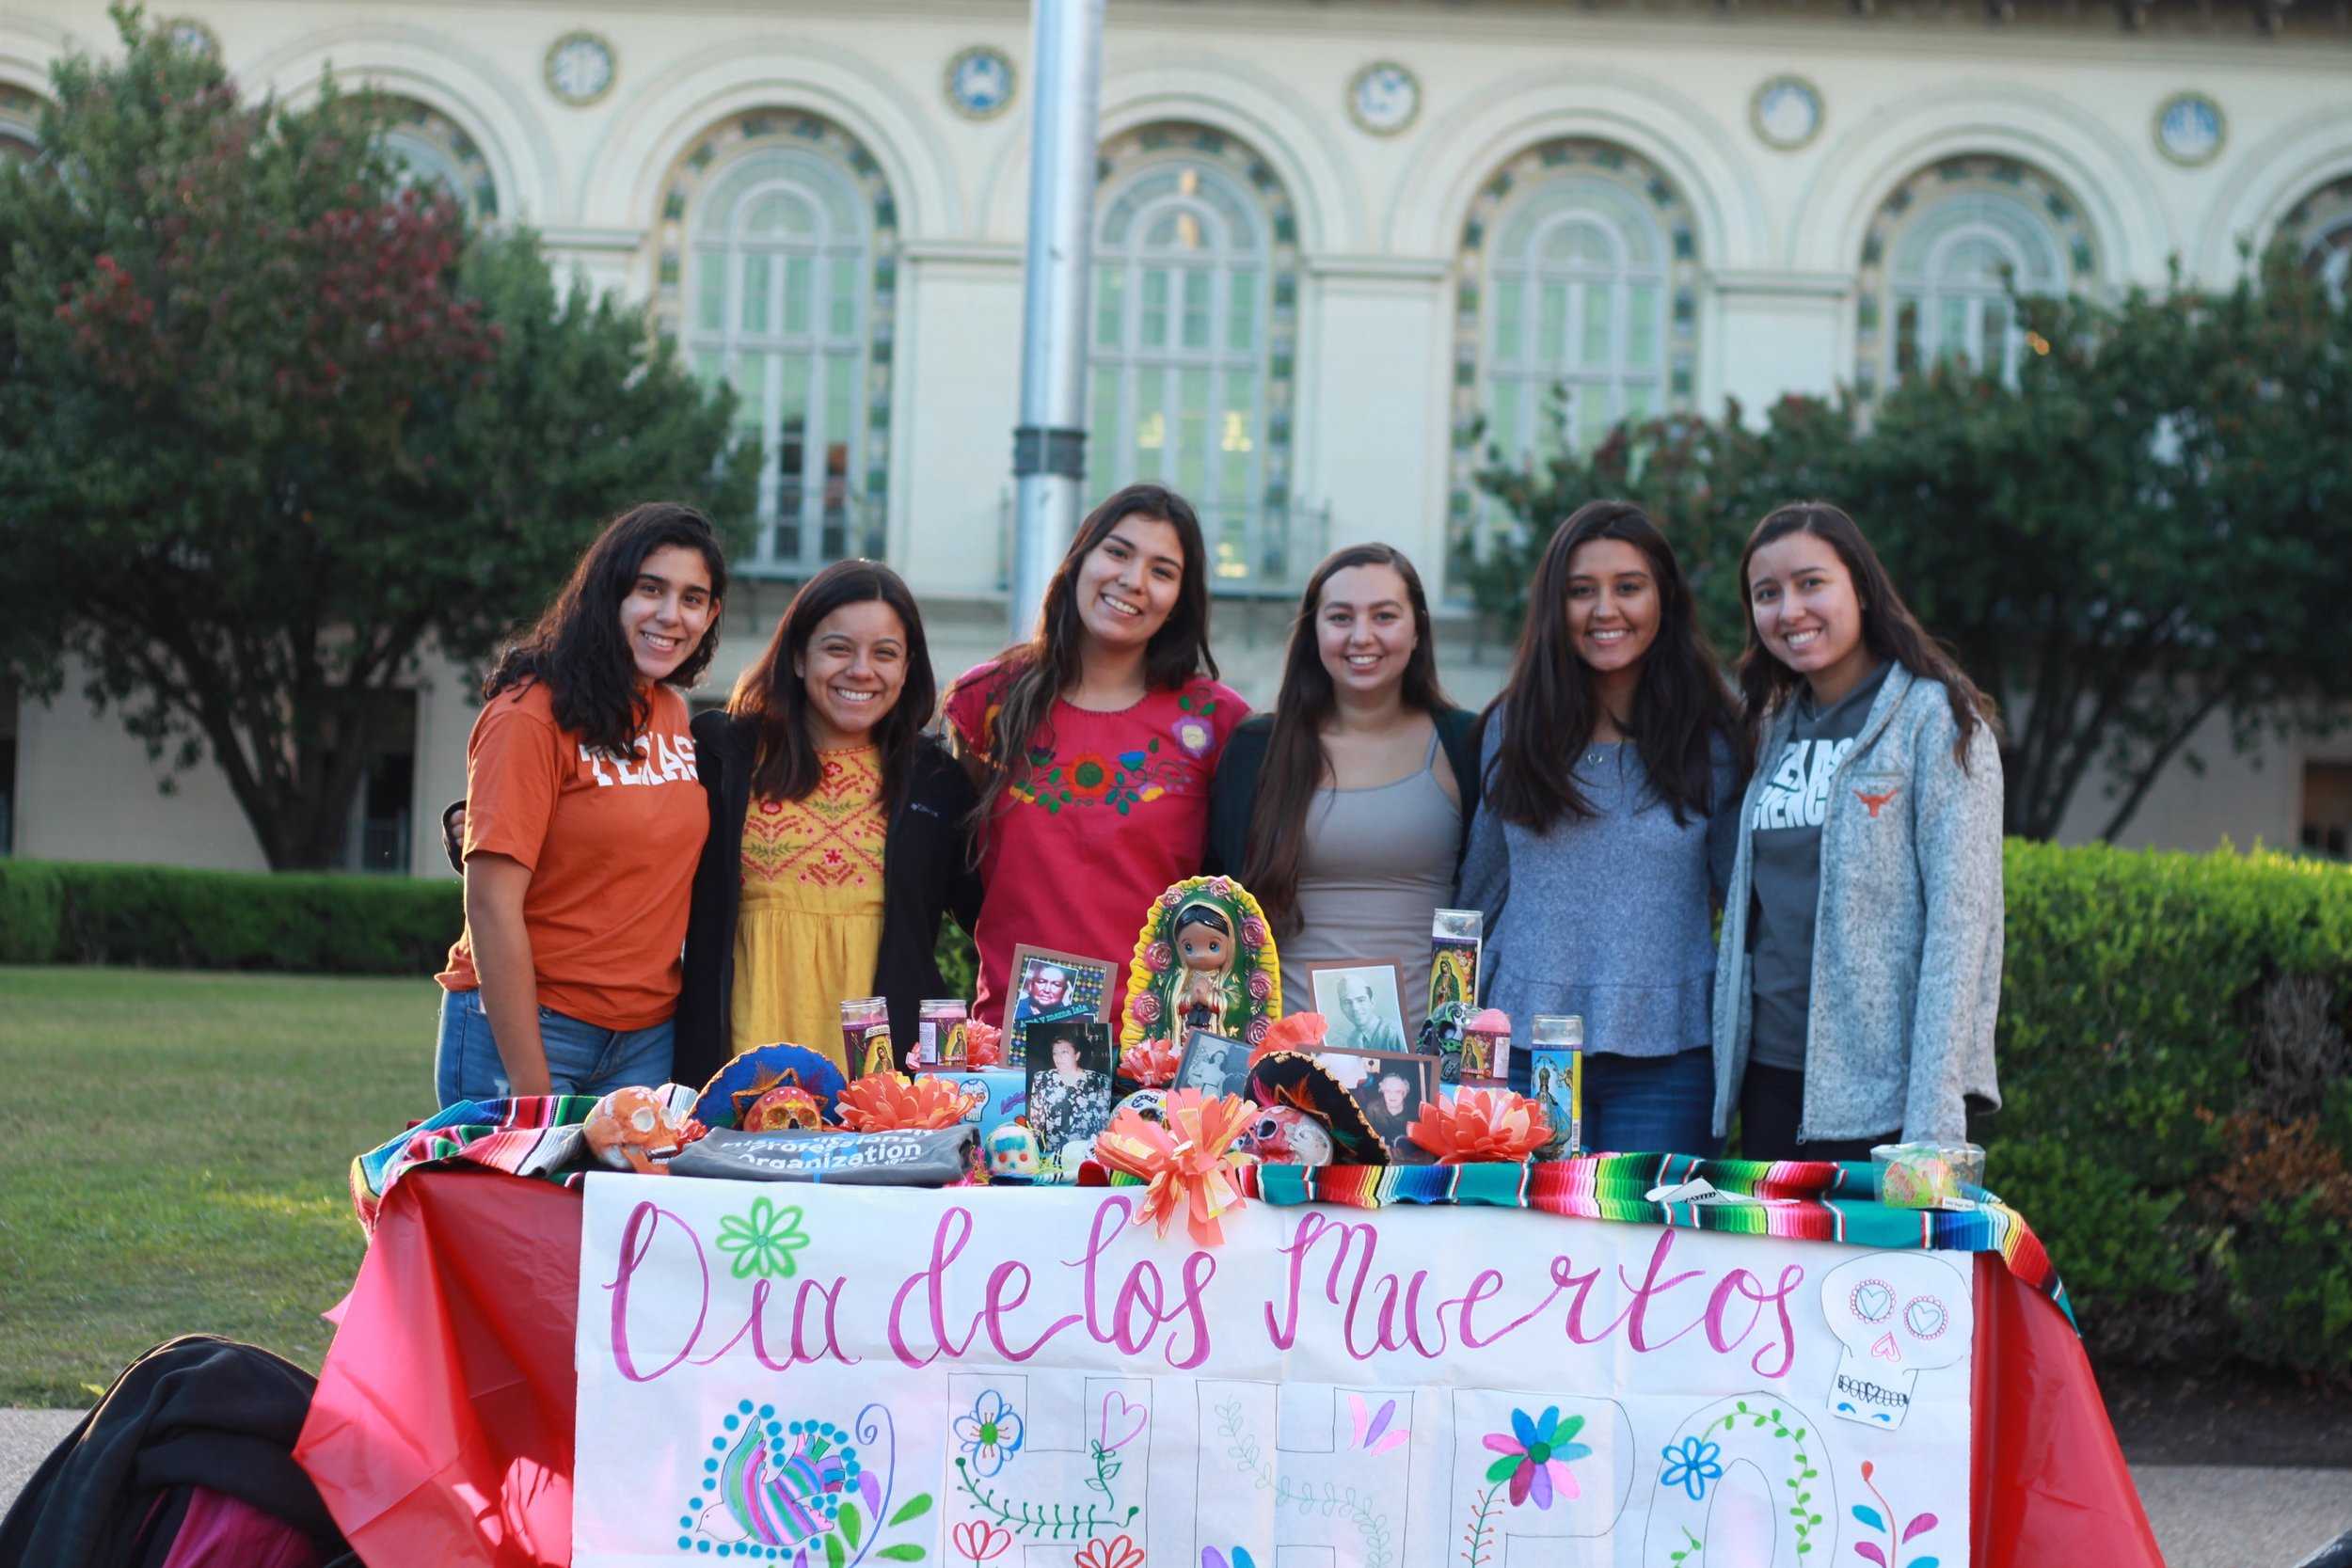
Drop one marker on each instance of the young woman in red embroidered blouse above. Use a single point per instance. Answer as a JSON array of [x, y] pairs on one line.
[[1101, 800]]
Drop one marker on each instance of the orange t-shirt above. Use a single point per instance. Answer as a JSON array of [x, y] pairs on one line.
[[610, 846]]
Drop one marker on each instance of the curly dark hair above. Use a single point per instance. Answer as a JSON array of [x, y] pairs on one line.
[[576, 648]]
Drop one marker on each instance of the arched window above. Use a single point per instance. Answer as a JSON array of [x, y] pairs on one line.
[[2320, 228], [1196, 291], [19, 123], [1576, 308], [433, 150], [1943, 256], [789, 236]]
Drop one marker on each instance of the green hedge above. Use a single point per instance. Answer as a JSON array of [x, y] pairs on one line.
[[165, 917], [2173, 1056], [2178, 1097]]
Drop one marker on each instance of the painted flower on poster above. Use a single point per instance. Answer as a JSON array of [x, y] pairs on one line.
[[1535, 1456], [990, 1433], [1690, 1465], [1119, 1552], [764, 1240], [978, 1541]]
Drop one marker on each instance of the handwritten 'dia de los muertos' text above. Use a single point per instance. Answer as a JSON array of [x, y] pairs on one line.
[[1332, 1281]]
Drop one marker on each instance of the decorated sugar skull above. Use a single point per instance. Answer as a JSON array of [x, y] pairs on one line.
[[1288, 1137], [1898, 1314], [785, 1108], [1013, 1152], [634, 1129]]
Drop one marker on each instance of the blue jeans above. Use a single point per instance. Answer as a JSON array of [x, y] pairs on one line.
[[581, 1058], [1650, 1104]]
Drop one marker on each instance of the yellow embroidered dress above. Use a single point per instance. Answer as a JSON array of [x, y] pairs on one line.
[[810, 923]]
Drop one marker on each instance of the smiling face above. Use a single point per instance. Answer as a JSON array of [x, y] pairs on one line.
[[1806, 613], [852, 669], [668, 609], [1364, 632], [1611, 606], [1127, 585], [1204, 947], [1356, 1004]]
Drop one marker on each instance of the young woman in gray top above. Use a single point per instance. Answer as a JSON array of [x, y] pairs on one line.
[[1860, 973], [1602, 763], [1342, 810]]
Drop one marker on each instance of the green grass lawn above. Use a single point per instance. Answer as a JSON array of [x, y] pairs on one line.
[[179, 1163]]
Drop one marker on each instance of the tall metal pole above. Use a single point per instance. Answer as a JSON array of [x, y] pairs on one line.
[[1049, 444]]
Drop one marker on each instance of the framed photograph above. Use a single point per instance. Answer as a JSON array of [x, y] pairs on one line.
[[1049, 987], [1364, 1003], [1070, 1090], [1213, 1065], [1389, 1086]]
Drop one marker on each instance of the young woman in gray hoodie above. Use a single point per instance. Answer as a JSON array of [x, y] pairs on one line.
[[1858, 974]]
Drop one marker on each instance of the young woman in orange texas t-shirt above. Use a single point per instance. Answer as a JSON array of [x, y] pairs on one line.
[[1092, 745], [583, 820]]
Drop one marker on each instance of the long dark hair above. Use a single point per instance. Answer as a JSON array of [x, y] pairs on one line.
[[1549, 705], [785, 766], [1889, 629], [577, 649], [1047, 664], [1294, 760]]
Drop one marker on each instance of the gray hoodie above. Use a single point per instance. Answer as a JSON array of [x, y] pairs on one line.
[[1907, 937]]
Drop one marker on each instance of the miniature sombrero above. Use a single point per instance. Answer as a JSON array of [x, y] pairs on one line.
[[737, 1086], [1306, 1085]]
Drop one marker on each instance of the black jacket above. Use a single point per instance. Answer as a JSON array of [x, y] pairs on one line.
[[194, 1411], [927, 873], [1233, 794]]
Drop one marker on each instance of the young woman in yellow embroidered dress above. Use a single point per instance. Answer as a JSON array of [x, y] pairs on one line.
[[837, 838]]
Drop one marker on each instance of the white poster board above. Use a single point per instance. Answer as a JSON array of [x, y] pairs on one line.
[[830, 1377]]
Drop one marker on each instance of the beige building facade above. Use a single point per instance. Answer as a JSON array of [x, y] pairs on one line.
[[1329, 237]]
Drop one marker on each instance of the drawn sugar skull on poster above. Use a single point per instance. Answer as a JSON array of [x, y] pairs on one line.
[[1204, 960]]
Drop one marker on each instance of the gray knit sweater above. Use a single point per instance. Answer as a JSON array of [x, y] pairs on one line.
[[1603, 917], [1907, 940]]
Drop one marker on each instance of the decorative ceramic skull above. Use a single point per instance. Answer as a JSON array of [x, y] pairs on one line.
[[1150, 1104], [785, 1108], [633, 1128], [1012, 1153], [1898, 1314], [1287, 1136]]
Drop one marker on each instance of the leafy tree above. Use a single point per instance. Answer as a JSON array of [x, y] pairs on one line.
[[271, 427], [2152, 528]]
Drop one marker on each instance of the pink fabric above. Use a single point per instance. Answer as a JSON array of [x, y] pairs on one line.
[[222, 1532]]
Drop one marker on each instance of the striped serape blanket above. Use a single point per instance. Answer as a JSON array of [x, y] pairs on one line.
[[528, 1136], [1803, 1200]]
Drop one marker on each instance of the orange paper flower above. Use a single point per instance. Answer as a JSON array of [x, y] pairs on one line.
[[1480, 1125], [893, 1102], [1187, 1165], [1153, 1064], [1292, 1032], [983, 1045]]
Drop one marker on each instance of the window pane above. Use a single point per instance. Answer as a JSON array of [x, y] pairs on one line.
[[1198, 285], [1551, 333], [1952, 336], [800, 281], [1503, 428], [839, 369], [1110, 305], [710, 276], [844, 297], [1906, 336], [1150, 423], [1599, 299], [1237, 442], [1640, 342], [1192, 433], [757, 281], [1592, 415], [1155, 333], [790, 438], [1996, 332], [1241, 311], [1506, 307], [1640, 400], [1103, 432]]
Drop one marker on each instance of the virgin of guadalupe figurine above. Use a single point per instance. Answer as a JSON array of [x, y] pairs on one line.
[[1205, 960]]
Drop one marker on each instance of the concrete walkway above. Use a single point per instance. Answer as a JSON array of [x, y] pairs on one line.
[[2204, 1516]]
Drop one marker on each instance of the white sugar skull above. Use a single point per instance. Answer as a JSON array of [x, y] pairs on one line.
[[1898, 1314]]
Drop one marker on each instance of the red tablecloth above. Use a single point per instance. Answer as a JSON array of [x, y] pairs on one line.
[[442, 1428]]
